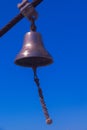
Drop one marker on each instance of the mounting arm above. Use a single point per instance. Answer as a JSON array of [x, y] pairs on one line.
[[16, 19]]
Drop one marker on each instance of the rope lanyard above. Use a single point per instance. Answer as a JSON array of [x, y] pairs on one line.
[[45, 110]]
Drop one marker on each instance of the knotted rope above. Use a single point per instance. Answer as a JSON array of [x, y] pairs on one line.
[[45, 110]]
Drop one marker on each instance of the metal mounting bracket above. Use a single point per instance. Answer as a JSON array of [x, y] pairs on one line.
[[27, 10]]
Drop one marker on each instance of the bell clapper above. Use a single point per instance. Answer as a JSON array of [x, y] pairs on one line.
[[45, 110]]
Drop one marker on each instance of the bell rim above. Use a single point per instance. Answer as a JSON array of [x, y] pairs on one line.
[[40, 61]]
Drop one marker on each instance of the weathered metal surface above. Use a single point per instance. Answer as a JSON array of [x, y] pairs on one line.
[[33, 52]]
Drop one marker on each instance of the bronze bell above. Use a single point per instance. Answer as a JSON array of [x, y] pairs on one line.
[[33, 53]]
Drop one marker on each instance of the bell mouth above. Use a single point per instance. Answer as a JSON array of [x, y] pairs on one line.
[[33, 61]]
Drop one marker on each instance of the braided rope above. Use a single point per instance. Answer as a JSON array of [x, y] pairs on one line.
[[33, 26], [45, 110]]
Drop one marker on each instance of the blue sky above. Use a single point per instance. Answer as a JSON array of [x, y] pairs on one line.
[[63, 25]]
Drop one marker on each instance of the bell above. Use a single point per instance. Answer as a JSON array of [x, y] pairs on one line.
[[33, 53]]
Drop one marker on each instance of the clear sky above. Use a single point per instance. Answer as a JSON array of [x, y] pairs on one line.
[[63, 25]]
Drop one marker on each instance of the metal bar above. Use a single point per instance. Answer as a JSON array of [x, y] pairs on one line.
[[16, 19]]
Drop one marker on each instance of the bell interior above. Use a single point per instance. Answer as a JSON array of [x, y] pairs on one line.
[[33, 61]]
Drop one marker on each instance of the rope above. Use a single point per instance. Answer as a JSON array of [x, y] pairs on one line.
[[33, 26], [45, 110]]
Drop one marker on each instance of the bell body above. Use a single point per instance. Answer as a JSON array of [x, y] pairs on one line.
[[33, 53]]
